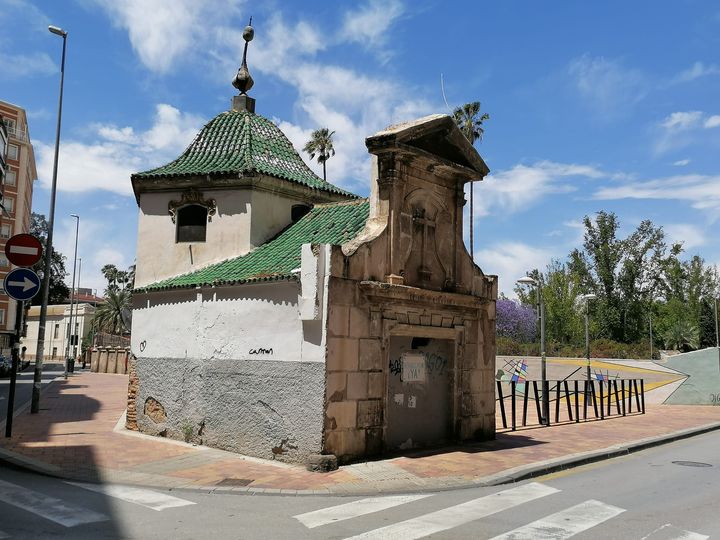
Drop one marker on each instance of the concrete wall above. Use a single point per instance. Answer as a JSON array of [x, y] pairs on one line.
[[231, 367], [702, 387]]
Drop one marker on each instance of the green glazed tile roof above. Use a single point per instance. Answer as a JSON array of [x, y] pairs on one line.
[[240, 142], [333, 223]]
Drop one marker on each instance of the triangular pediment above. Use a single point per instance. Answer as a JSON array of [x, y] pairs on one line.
[[434, 136]]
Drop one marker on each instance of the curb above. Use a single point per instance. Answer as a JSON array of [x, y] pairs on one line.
[[424, 485]]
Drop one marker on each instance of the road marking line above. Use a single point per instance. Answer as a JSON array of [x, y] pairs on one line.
[[566, 523], [362, 507], [47, 507], [460, 514], [683, 535], [143, 497], [4, 535]]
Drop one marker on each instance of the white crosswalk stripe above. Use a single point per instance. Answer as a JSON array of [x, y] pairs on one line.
[[670, 532], [460, 514], [144, 497], [47, 507], [324, 516], [566, 523]]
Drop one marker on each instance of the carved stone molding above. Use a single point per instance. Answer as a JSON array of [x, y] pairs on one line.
[[192, 196]]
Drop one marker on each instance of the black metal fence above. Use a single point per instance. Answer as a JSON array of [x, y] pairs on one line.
[[602, 399]]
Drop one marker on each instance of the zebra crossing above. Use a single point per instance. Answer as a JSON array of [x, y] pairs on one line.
[[62, 513], [563, 524]]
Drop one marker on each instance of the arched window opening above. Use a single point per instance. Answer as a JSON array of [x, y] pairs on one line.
[[192, 223]]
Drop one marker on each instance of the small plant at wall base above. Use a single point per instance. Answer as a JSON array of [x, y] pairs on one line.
[[187, 430]]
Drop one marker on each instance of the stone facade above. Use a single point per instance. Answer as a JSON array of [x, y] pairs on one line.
[[408, 275]]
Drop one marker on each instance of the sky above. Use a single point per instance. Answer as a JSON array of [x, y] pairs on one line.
[[593, 106]]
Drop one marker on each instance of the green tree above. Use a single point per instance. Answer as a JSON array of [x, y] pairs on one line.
[[621, 272], [470, 121], [112, 316], [321, 145], [118, 280], [59, 292], [681, 335]]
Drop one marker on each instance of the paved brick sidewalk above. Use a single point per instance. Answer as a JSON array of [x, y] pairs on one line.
[[73, 436]]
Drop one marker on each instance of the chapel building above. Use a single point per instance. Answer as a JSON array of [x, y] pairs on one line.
[[279, 316]]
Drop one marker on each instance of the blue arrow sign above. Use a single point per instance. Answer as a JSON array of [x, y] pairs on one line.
[[22, 284]]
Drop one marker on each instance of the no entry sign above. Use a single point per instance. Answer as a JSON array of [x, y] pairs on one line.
[[23, 250]]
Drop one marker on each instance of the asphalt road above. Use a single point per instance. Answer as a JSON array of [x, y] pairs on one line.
[[23, 388], [666, 492]]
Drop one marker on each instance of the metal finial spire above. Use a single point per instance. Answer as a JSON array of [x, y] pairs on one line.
[[243, 81]]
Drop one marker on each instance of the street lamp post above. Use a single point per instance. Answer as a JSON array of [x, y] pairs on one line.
[[37, 376], [72, 296], [651, 338], [586, 298], [543, 360]]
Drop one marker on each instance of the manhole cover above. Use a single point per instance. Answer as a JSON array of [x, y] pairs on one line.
[[692, 464], [234, 482]]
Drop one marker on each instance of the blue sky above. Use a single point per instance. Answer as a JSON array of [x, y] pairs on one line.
[[607, 105]]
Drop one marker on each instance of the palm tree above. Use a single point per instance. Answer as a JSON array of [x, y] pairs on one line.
[[321, 144], [111, 315], [681, 335], [470, 121]]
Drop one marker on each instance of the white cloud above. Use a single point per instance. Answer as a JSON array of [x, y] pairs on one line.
[[510, 261], [712, 122], [16, 66], [522, 186], [697, 70], [681, 162], [107, 163], [700, 191], [680, 129], [162, 32], [683, 120], [369, 24], [690, 236], [606, 84]]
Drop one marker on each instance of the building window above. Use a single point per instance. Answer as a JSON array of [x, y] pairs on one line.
[[192, 223], [3, 261], [56, 333], [13, 151], [2, 316], [54, 353], [10, 178], [298, 211], [5, 230], [9, 204]]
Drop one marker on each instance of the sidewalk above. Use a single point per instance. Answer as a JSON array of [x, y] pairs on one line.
[[77, 435]]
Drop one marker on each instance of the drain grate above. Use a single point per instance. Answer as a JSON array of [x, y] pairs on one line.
[[239, 482], [692, 464]]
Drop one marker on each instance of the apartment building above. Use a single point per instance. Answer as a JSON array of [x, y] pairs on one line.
[[17, 190]]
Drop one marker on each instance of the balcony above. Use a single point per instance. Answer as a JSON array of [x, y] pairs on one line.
[[18, 133]]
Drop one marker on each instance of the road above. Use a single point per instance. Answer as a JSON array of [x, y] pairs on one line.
[[666, 492], [23, 389]]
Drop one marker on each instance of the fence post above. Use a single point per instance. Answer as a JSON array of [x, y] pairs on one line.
[[585, 398], [602, 402], [594, 397], [577, 403], [537, 402], [502, 404], [630, 395], [512, 403], [525, 403], [557, 402], [567, 400], [622, 388], [642, 393]]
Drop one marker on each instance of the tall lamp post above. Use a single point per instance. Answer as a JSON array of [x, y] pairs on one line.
[[586, 298], [527, 280], [72, 296], [37, 377]]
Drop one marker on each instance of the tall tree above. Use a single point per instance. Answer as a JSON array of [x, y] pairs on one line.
[[59, 292], [470, 121], [321, 145], [118, 280]]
